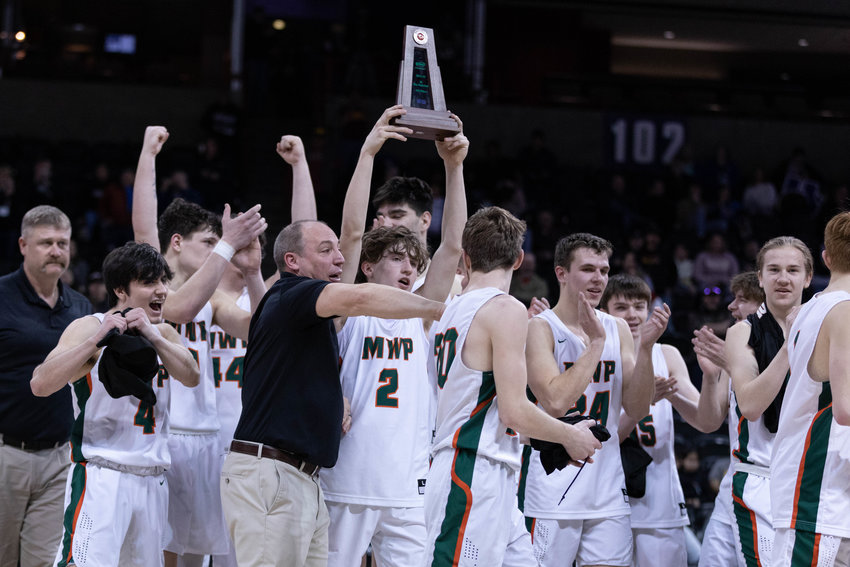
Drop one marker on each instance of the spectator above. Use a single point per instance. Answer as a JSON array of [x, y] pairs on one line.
[[526, 284], [34, 432], [715, 266]]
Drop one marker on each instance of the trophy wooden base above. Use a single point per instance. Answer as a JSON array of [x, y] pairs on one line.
[[427, 124]]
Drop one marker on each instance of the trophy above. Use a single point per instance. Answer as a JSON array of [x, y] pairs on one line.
[[420, 88]]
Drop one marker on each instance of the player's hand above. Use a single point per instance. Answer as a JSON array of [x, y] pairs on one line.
[[588, 321], [383, 131], [249, 258], [291, 149], [665, 388], [137, 320], [710, 350], [537, 306], [652, 329], [155, 137], [346, 415], [580, 442], [110, 321], [241, 230], [453, 150]]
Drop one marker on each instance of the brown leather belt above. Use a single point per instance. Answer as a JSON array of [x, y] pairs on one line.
[[269, 452]]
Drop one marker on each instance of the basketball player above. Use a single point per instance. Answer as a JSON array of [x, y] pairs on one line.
[[116, 496], [718, 540], [758, 363], [198, 251], [658, 518], [811, 452], [470, 504], [375, 490], [584, 360]]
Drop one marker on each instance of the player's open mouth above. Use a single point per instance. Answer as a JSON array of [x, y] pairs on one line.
[[405, 282], [334, 277], [155, 306]]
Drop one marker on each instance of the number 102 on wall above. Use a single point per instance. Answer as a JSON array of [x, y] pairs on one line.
[[643, 141]]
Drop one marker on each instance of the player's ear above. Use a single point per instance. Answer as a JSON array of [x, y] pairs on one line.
[[519, 260], [425, 219], [176, 241], [826, 262], [367, 268]]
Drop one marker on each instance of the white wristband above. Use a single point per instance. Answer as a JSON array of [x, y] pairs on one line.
[[224, 250]]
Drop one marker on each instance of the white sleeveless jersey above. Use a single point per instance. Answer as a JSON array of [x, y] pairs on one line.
[[383, 459], [124, 431], [723, 501], [809, 486], [467, 410], [599, 490], [663, 505], [228, 356], [755, 442], [193, 410]]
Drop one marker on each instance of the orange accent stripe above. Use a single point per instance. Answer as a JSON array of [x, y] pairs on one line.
[[740, 502], [465, 487], [77, 511], [802, 468], [533, 526], [480, 406], [816, 550]]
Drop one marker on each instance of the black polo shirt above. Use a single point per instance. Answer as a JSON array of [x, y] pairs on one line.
[[291, 394], [29, 330]]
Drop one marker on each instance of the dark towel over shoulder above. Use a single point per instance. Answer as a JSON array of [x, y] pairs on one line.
[[127, 366]]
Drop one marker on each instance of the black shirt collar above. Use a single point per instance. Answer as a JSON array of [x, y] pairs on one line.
[[32, 296]]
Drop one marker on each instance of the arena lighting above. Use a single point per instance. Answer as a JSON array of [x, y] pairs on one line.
[[20, 36], [279, 24], [669, 35], [803, 42]]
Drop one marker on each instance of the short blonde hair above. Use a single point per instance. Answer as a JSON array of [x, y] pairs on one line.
[[44, 215]]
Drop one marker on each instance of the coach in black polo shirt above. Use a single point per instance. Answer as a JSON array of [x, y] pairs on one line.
[[292, 400], [34, 310]]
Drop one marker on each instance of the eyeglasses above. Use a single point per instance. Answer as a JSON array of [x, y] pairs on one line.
[[712, 291]]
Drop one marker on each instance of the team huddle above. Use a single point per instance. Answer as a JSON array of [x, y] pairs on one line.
[[373, 394]]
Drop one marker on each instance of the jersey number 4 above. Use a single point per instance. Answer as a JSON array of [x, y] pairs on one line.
[[598, 409], [145, 418]]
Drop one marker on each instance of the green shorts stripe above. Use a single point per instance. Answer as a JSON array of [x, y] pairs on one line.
[[805, 551], [449, 543], [72, 512], [746, 521]]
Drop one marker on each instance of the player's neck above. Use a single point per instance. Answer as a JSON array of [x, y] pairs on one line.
[[567, 309], [838, 281], [500, 279]]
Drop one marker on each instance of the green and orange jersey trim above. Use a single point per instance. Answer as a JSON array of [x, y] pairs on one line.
[[449, 542], [83, 390]]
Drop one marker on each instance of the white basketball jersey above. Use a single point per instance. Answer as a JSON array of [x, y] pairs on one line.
[[755, 442], [193, 410], [383, 459], [723, 501], [599, 490], [467, 410], [228, 356], [663, 505], [809, 486], [124, 431]]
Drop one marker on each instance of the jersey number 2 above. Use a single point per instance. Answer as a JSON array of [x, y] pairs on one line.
[[384, 396]]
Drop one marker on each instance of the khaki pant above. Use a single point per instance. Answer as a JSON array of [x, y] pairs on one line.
[[32, 488], [275, 514]]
